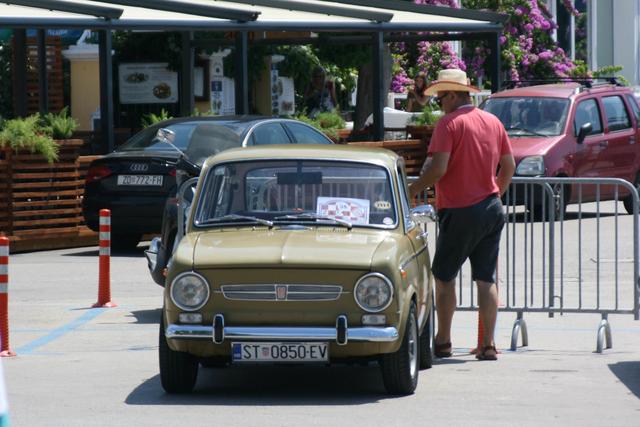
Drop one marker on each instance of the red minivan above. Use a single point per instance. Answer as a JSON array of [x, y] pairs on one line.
[[573, 130]]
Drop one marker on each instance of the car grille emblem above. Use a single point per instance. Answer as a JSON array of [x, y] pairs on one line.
[[281, 293], [138, 167]]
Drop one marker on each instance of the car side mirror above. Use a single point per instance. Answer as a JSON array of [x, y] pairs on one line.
[[585, 130], [423, 213]]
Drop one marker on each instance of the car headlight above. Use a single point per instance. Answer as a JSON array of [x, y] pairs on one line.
[[373, 292], [189, 291], [531, 166]]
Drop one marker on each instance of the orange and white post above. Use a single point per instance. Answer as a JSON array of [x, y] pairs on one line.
[[5, 351], [104, 274]]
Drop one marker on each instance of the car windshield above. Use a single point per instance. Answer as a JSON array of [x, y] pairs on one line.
[[530, 116], [348, 194], [195, 138]]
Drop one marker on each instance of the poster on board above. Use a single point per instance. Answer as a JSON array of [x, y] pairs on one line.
[[147, 83]]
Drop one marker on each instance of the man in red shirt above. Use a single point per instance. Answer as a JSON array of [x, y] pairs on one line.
[[466, 148]]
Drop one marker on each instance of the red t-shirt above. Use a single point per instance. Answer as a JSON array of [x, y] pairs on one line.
[[475, 140]]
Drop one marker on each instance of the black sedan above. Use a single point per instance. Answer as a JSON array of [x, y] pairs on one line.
[[136, 180]]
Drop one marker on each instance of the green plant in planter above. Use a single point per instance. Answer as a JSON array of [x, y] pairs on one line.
[[152, 118], [328, 122], [428, 117], [27, 134], [59, 126]]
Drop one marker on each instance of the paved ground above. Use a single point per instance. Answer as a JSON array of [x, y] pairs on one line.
[[78, 366]]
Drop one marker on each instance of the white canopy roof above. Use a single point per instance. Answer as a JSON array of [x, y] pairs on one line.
[[271, 14]]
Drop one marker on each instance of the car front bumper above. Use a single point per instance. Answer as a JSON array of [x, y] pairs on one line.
[[341, 334]]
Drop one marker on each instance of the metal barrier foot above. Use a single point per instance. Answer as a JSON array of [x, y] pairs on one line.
[[604, 333], [519, 327]]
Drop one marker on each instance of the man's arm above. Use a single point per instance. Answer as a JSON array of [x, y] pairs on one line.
[[434, 171], [507, 168]]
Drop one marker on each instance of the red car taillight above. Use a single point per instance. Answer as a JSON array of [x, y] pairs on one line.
[[96, 173]]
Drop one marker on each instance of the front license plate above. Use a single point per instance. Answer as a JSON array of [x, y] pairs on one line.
[[280, 352], [150, 180]]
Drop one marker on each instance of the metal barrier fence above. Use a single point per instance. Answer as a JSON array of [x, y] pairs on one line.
[[566, 248]]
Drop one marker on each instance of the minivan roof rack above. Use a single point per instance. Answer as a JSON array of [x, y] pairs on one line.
[[585, 82]]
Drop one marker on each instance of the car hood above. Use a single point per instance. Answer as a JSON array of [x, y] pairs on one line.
[[532, 146], [312, 247]]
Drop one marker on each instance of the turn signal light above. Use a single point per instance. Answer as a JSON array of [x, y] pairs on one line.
[[96, 173]]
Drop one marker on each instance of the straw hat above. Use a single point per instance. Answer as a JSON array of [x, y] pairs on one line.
[[452, 79]]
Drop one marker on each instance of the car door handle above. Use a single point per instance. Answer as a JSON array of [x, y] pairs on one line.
[[423, 235], [604, 143]]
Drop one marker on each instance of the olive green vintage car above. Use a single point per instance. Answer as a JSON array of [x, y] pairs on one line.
[[300, 254]]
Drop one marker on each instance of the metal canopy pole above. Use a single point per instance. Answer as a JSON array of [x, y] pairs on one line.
[[378, 86], [494, 43], [43, 84], [242, 73], [20, 72], [186, 82], [106, 90]]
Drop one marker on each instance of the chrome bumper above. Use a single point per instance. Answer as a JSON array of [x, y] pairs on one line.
[[341, 334]]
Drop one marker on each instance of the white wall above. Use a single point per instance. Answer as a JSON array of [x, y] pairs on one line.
[[626, 40]]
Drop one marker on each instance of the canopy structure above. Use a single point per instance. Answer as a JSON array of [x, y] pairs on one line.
[[377, 20]]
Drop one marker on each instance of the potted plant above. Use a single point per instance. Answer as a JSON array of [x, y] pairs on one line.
[[422, 125], [329, 122], [27, 134]]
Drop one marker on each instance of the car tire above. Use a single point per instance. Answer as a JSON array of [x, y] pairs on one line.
[[559, 209], [628, 201], [178, 370], [426, 342], [400, 369], [122, 242]]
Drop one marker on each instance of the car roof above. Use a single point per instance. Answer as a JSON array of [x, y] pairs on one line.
[[377, 156], [235, 119], [557, 90]]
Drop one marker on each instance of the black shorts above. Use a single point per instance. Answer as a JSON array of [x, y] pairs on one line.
[[472, 232]]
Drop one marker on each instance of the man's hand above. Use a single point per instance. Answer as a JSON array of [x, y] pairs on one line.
[[507, 168], [432, 170]]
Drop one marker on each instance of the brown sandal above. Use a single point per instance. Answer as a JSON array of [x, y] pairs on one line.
[[482, 354], [439, 350]]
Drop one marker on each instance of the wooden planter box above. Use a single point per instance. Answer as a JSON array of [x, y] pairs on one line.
[[422, 133], [41, 203]]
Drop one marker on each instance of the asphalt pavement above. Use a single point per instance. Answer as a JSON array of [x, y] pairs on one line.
[[80, 366]]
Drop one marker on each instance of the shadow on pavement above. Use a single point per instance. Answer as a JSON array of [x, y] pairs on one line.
[[521, 217], [147, 316], [629, 374], [273, 385], [137, 252]]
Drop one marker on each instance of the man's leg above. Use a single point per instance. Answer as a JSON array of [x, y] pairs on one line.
[[446, 306], [488, 303]]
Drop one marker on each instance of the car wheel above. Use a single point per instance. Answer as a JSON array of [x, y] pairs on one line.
[[125, 242], [178, 370], [628, 201], [426, 342], [400, 369]]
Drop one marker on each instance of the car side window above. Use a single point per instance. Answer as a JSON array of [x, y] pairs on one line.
[[587, 111], [269, 133], [616, 113], [634, 107], [306, 135]]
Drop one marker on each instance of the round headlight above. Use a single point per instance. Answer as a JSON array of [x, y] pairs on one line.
[[189, 291], [373, 292]]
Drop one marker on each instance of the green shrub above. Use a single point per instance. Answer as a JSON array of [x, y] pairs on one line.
[[198, 113], [328, 122], [152, 118], [428, 117], [59, 126], [27, 134]]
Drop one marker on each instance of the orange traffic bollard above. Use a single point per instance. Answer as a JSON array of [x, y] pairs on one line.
[[104, 275], [4, 298]]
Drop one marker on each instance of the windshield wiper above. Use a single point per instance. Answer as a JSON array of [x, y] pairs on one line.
[[235, 217], [532, 132], [312, 216]]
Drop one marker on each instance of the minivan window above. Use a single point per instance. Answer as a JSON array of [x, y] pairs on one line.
[[616, 112], [587, 111], [634, 106], [526, 116]]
